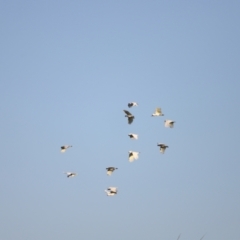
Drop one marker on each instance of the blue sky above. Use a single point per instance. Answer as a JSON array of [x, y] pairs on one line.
[[68, 70]]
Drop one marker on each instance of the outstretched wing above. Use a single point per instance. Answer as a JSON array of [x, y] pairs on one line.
[[127, 112], [135, 155]]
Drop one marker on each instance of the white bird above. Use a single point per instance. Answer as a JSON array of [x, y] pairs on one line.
[[132, 156], [111, 191], [162, 147], [70, 174], [129, 116], [132, 104], [169, 123], [133, 136], [158, 112], [110, 170], [64, 148]]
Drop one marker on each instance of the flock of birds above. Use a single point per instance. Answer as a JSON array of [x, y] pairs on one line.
[[132, 156]]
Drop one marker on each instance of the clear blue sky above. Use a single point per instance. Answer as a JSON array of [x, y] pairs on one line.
[[68, 70]]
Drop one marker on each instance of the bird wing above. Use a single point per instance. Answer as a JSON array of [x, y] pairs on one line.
[[158, 110], [162, 149], [131, 159], [127, 112], [167, 123], [113, 189], [135, 136], [135, 155], [130, 105], [110, 168], [130, 119]]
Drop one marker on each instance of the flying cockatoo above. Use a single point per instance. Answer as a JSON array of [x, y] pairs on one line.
[[133, 136], [162, 147], [111, 191], [158, 112], [169, 123], [132, 104], [132, 156], [70, 174], [110, 170], [64, 148]]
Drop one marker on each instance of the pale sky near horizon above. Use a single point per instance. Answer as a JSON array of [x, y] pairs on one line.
[[69, 69]]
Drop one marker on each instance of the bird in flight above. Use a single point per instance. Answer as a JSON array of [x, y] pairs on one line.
[[158, 112], [70, 174], [110, 170], [162, 147], [129, 116], [133, 136], [64, 148], [132, 104], [111, 191], [169, 123], [132, 156]]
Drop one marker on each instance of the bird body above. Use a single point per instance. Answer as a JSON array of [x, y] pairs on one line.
[[64, 148], [162, 147], [133, 136], [129, 116], [111, 191], [110, 170], [70, 174], [158, 112], [132, 104], [169, 123], [132, 156]]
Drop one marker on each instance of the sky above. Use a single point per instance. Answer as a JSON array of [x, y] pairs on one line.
[[69, 69]]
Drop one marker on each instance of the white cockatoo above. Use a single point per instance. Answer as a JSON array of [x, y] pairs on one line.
[[70, 174], [64, 148], [132, 104], [111, 191], [133, 136], [169, 123], [132, 156], [158, 112], [110, 170]]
